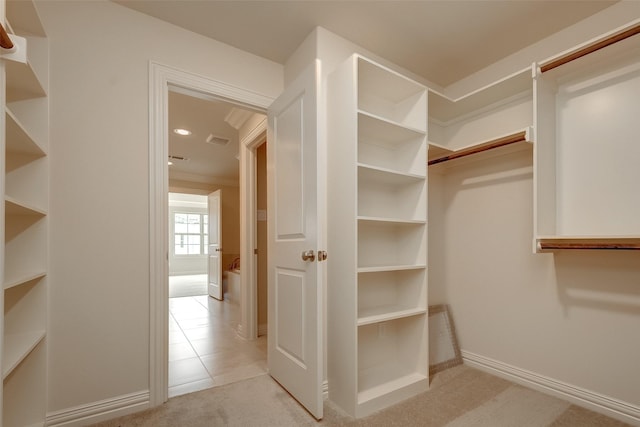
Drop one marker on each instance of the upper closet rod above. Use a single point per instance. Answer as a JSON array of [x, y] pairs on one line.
[[500, 142], [590, 48], [609, 246], [5, 40]]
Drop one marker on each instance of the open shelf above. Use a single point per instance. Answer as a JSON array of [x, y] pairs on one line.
[[374, 385], [516, 140], [391, 356], [586, 152], [24, 18], [24, 396], [397, 267], [489, 113], [388, 195], [18, 347], [387, 312], [18, 139], [391, 96], [374, 219], [17, 281], [390, 244], [389, 146], [18, 208], [388, 295], [25, 247], [22, 82]]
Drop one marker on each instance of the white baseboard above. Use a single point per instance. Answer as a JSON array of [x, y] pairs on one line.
[[608, 406], [99, 411]]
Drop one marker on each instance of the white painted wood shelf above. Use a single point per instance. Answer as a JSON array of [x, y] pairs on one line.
[[398, 267], [18, 347], [19, 140], [491, 113], [586, 151], [377, 284], [385, 313], [26, 205]]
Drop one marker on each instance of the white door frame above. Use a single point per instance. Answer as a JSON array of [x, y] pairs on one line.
[[160, 78]]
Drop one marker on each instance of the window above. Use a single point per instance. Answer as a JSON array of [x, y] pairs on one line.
[[190, 231]]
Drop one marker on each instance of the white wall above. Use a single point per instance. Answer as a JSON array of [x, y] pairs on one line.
[[98, 336], [572, 317]]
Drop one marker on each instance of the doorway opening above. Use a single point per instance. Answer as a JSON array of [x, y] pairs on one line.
[[163, 81], [206, 346]]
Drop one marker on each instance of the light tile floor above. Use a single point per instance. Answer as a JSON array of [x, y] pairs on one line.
[[205, 350]]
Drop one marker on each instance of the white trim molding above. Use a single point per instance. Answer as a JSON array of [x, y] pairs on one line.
[[102, 410], [248, 327], [161, 77], [596, 402]]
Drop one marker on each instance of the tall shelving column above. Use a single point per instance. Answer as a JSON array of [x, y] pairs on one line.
[[377, 238], [26, 204]]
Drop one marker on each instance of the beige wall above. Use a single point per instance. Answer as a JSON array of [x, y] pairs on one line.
[[571, 317], [98, 339]]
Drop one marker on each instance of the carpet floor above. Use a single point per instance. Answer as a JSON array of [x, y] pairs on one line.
[[459, 397]]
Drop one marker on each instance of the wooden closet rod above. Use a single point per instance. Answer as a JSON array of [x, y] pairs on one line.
[[500, 142], [590, 48], [5, 40], [608, 246]]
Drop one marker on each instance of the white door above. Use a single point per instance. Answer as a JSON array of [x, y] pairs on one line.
[[214, 265], [294, 290]]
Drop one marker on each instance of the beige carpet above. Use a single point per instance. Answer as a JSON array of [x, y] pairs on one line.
[[459, 397]]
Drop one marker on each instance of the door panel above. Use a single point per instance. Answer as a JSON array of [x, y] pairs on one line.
[[294, 291], [214, 264]]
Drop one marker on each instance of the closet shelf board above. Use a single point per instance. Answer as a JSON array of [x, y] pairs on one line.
[[16, 207], [375, 269], [388, 121], [501, 141], [389, 175], [385, 313], [11, 283], [18, 140], [371, 388], [374, 219], [17, 348]]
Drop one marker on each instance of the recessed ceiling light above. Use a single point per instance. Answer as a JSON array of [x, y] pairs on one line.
[[182, 132]]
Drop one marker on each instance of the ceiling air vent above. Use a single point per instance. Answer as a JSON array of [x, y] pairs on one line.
[[217, 140]]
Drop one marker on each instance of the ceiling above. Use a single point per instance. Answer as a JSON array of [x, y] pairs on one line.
[[204, 161], [442, 41]]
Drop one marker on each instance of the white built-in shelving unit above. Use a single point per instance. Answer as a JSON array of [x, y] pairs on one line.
[[587, 150], [496, 117], [26, 204], [377, 237]]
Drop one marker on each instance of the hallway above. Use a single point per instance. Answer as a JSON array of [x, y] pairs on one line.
[[204, 348]]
